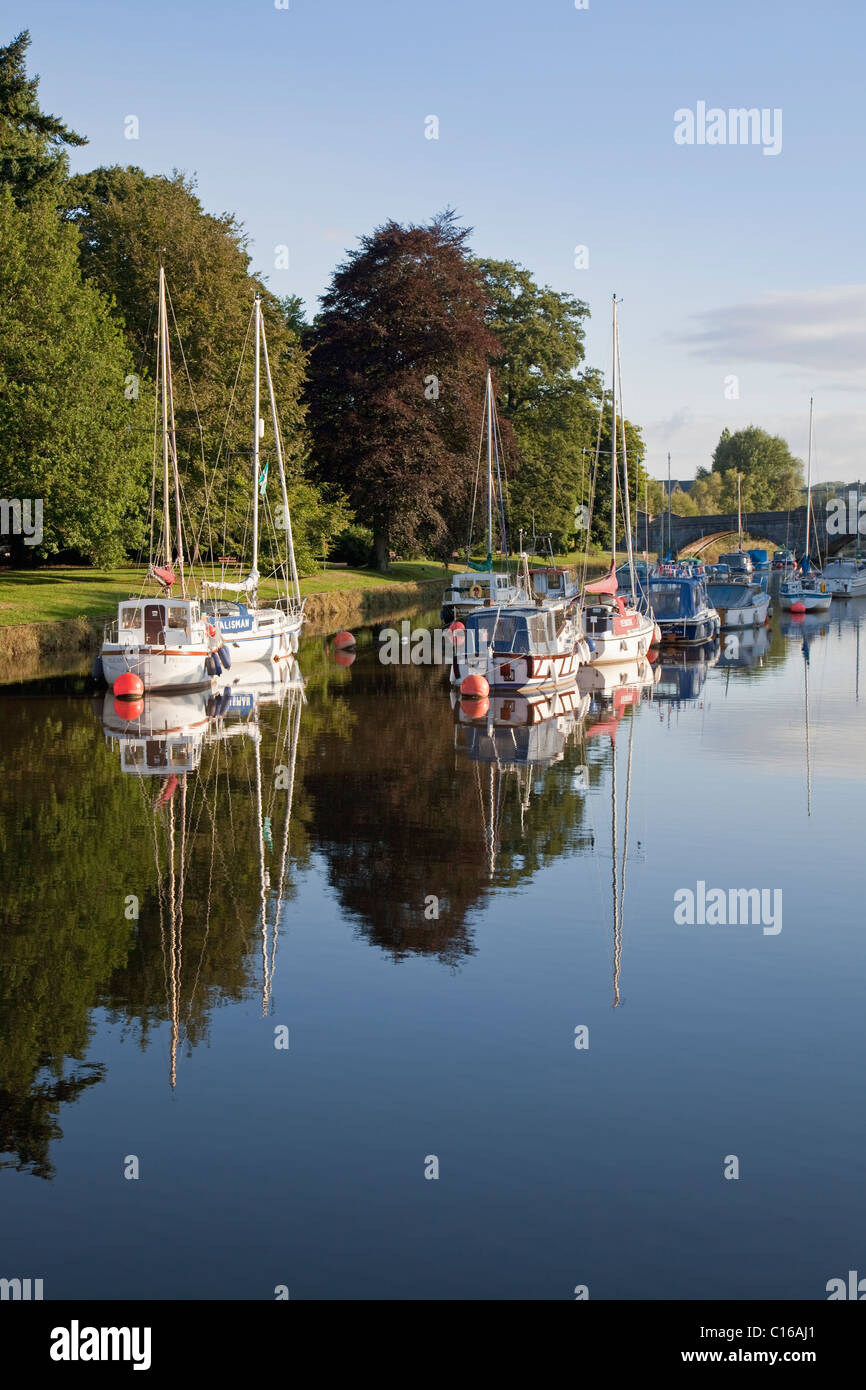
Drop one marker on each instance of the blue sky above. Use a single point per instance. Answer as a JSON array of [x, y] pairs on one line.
[[556, 129]]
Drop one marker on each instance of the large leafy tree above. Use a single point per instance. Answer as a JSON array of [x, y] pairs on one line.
[[33, 158], [552, 401], [129, 222], [399, 355], [73, 438], [771, 477]]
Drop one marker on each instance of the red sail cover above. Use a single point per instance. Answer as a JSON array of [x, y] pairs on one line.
[[165, 576], [608, 585]]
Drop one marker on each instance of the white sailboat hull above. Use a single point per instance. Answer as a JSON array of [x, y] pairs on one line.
[[158, 668], [524, 674], [811, 599]]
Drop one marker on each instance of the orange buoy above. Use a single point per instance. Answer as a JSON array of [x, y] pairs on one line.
[[457, 630], [652, 656], [798, 607], [344, 639], [344, 657], [129, 709], [474, 687], [475, 709], [128, 686]]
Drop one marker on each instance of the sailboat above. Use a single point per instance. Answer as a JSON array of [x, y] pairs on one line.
[[481, 584], [248, 632], [616, 629], [164, 641], [846, 576], [806, 591], [161, 740], [739, 600]]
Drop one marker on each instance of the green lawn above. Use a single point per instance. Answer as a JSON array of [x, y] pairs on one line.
[[47, 595]]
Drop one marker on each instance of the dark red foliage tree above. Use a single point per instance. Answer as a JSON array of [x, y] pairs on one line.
[[396, 383]]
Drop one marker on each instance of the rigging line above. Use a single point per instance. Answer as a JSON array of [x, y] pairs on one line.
[[617, 940], [196, 536], [593, 484], [475, 489]]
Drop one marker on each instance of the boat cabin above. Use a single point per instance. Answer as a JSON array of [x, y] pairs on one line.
[[161, 622], [553, 582], [478, 587], [519, 631], [684, 596], [737, 561]]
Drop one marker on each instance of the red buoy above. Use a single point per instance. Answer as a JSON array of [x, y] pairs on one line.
[[798, 607], [457, 630], [344, 657], [344, 639], [475, 709], [129, 709], [474, 687], [128, 686]]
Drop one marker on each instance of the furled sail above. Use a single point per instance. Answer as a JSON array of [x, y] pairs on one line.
[[246, 586]]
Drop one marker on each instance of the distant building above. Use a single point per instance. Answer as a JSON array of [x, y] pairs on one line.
[[684, 484]]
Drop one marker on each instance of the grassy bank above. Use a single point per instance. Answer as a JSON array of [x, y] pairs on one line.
[[52, 595]]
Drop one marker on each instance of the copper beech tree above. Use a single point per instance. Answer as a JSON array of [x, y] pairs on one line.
[[399, 355]]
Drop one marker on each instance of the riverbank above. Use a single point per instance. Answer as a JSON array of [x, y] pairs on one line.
[[73, 605]]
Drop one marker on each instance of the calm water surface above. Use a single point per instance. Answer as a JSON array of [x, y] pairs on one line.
[[289, 851]]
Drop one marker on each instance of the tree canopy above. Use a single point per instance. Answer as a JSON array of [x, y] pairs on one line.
[[771, 477], [32, 155], [396, 385]]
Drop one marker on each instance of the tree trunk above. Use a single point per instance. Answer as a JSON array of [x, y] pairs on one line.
[[380, 541]]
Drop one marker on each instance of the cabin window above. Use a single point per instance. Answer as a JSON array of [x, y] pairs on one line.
[[177, 617], [179, 754], [501, 582], [130, 617]]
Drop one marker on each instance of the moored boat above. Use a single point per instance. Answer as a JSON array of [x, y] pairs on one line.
[[738, 605], [681, 606], [522, 647]]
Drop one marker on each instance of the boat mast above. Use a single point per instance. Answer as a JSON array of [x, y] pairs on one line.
[[178, 518], [257, 315], [613, 464], [489, 472], [628, 535], [296, 586], [809, 481], [162, 355], [669, 545]]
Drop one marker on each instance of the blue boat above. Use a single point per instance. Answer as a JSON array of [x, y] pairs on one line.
[[681, 606], [760, 560]]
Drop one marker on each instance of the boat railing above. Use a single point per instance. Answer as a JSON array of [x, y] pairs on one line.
[[109, 631]]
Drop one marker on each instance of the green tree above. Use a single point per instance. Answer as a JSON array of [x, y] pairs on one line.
[[399, 354], [129, 221], [74, 435], [33, 160], [771, 477]]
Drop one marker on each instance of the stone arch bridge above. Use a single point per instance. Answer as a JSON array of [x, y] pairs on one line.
[[694, 534]]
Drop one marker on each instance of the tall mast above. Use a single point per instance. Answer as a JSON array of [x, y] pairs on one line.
[[163, 373], [739, 513], [627, 498], [613, 464], [177, 511], [669, 545], [279, 449], [490, 467], [257, 315], [809, 481]]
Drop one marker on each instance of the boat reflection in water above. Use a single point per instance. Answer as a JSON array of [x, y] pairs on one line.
[[682, 673], [745, 649], [198, 744], [617, 700], [517, 736]]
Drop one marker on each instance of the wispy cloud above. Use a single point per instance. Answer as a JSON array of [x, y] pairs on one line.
[[820, 331]]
